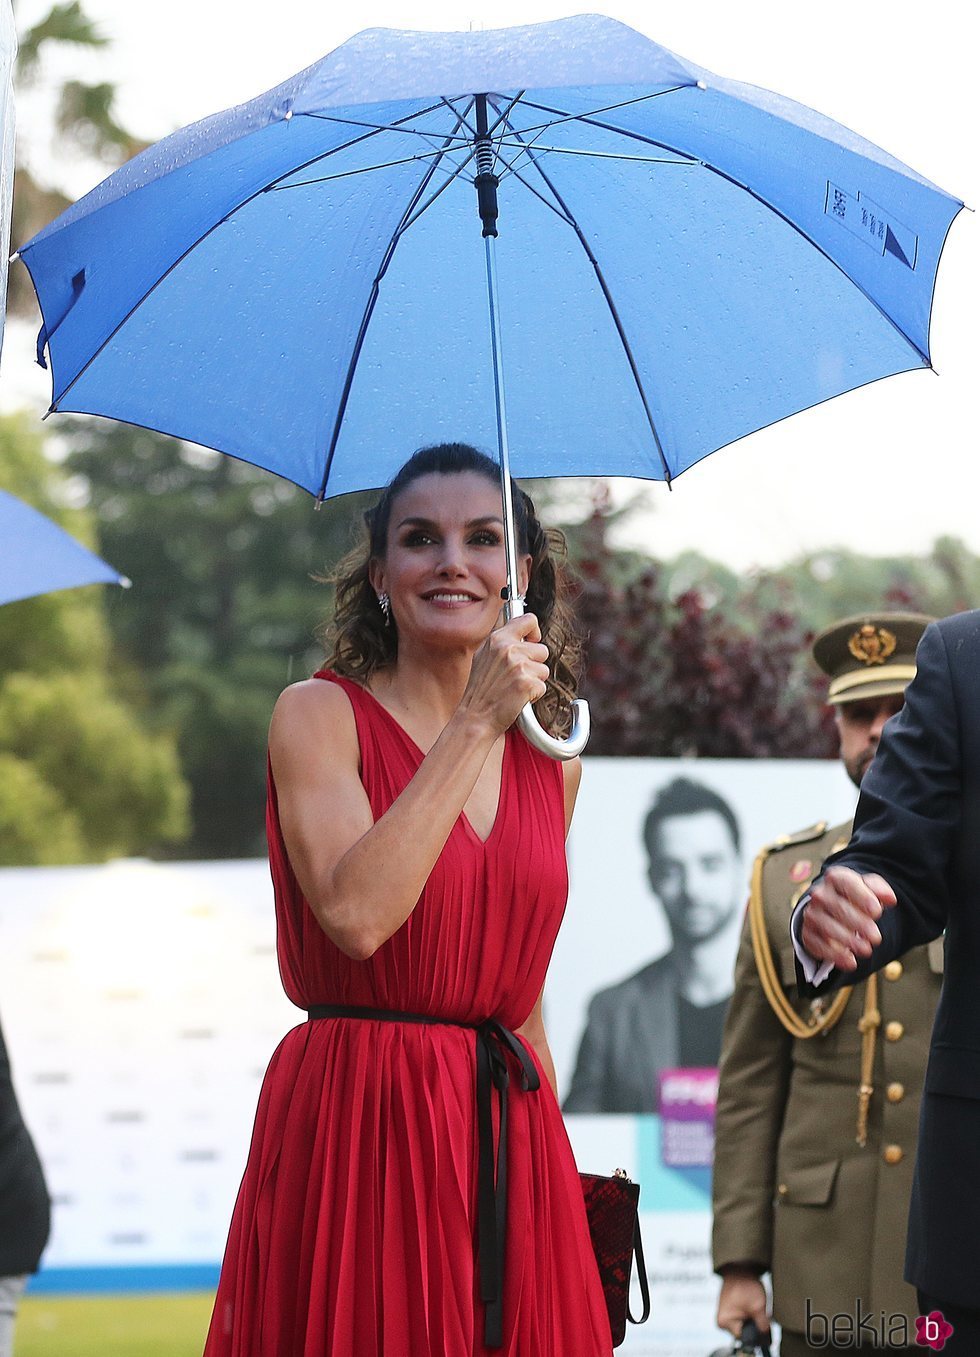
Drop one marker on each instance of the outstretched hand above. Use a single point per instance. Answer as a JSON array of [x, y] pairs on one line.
[[839, 921]]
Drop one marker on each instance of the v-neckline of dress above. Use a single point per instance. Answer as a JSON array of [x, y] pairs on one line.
[[463, 817]]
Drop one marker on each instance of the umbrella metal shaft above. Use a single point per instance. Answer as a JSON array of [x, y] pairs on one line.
[[486, 189], [514, 601], [486, 183]]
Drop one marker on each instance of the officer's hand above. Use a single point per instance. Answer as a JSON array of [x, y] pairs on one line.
[[839, 919], [742, 1297]]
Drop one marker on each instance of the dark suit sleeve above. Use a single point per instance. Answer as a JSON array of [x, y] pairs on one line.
[[908, 815], [587, 1090]]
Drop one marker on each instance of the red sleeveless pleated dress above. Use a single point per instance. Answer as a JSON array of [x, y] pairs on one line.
[[354, 1233]]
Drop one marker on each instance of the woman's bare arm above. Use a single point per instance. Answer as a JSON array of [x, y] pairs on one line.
[[363, 879], [533, 1030], [534, 1034], [572, 771]]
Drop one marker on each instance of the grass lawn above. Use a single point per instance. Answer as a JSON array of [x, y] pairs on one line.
[[113, 1326]]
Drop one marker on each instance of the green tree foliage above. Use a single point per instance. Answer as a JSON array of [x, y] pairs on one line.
[[682, 673], [85, 120], [687, 657], [81, 777], [85, 745], [36, 827], [225, 605], [63, 25]]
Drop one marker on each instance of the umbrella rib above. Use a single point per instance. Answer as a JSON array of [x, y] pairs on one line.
[[763, 202], [363, 169], [531, 189], [266, 188], [399, 231], [607, 294], [612, 155], [450, 178], [541, 128], [504, 116], [431, 137], [463, 120], [436, 140], [490, 130], [399, 125]]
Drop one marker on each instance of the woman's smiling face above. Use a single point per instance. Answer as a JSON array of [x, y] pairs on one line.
[[445, 565]]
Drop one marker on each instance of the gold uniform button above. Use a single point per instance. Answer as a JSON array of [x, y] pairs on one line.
[[893, 971], [894, 1154], [895, 1093], [783, 1190], [894, 1031]]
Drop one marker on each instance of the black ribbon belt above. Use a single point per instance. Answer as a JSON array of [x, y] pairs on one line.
[[494, 1045]]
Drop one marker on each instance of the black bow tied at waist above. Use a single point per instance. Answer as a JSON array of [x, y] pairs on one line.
[[495, 1044]]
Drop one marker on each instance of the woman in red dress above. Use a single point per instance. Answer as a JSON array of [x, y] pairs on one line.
[[400, 1200]]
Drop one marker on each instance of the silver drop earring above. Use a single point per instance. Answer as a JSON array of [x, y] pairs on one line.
[[384, 603]]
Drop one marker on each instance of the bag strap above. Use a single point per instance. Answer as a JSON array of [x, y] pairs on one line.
[[641, 1276]]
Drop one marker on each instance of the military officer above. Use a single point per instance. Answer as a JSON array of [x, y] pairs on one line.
[[818, 1101]]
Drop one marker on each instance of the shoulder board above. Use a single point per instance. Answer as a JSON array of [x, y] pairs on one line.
[[809, 835]]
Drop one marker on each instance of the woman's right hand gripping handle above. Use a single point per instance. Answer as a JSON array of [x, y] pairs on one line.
[[509, 670]]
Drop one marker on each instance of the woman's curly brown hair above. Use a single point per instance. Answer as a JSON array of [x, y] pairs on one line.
[[357, 640]]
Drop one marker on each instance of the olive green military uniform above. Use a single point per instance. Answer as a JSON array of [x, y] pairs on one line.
[[794, 1190]]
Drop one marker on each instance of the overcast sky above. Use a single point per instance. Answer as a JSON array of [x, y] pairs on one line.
[[885, 469]]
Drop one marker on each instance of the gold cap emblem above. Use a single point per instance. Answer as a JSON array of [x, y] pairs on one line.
[[872, 645]]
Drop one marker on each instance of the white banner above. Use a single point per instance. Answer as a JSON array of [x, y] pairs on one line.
[[141, 1004]]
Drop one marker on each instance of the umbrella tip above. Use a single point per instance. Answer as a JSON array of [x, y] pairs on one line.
[[702, 85], [125, 582]]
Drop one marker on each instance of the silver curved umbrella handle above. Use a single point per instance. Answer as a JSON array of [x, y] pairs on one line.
[[532, 730], [572, 745]]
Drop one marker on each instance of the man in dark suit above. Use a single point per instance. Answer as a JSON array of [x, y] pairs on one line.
[[912, 870], [671, 1012]]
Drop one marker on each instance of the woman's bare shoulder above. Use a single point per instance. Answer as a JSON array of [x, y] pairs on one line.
[[310, 712]]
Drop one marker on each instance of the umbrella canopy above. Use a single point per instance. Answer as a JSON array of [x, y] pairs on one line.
[[300, 281], [37, 557]]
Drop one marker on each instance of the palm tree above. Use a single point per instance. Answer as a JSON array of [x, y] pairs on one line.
[[85, 120]]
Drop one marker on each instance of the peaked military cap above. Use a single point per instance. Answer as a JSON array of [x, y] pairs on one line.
[[871, 655]]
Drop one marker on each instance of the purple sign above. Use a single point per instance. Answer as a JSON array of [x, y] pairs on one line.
[[687, 1117]]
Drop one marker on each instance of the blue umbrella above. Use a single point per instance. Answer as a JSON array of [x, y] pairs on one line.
[[37, 557], [301, 282]]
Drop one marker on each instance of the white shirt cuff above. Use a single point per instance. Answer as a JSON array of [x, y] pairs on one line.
[[814, 972]]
